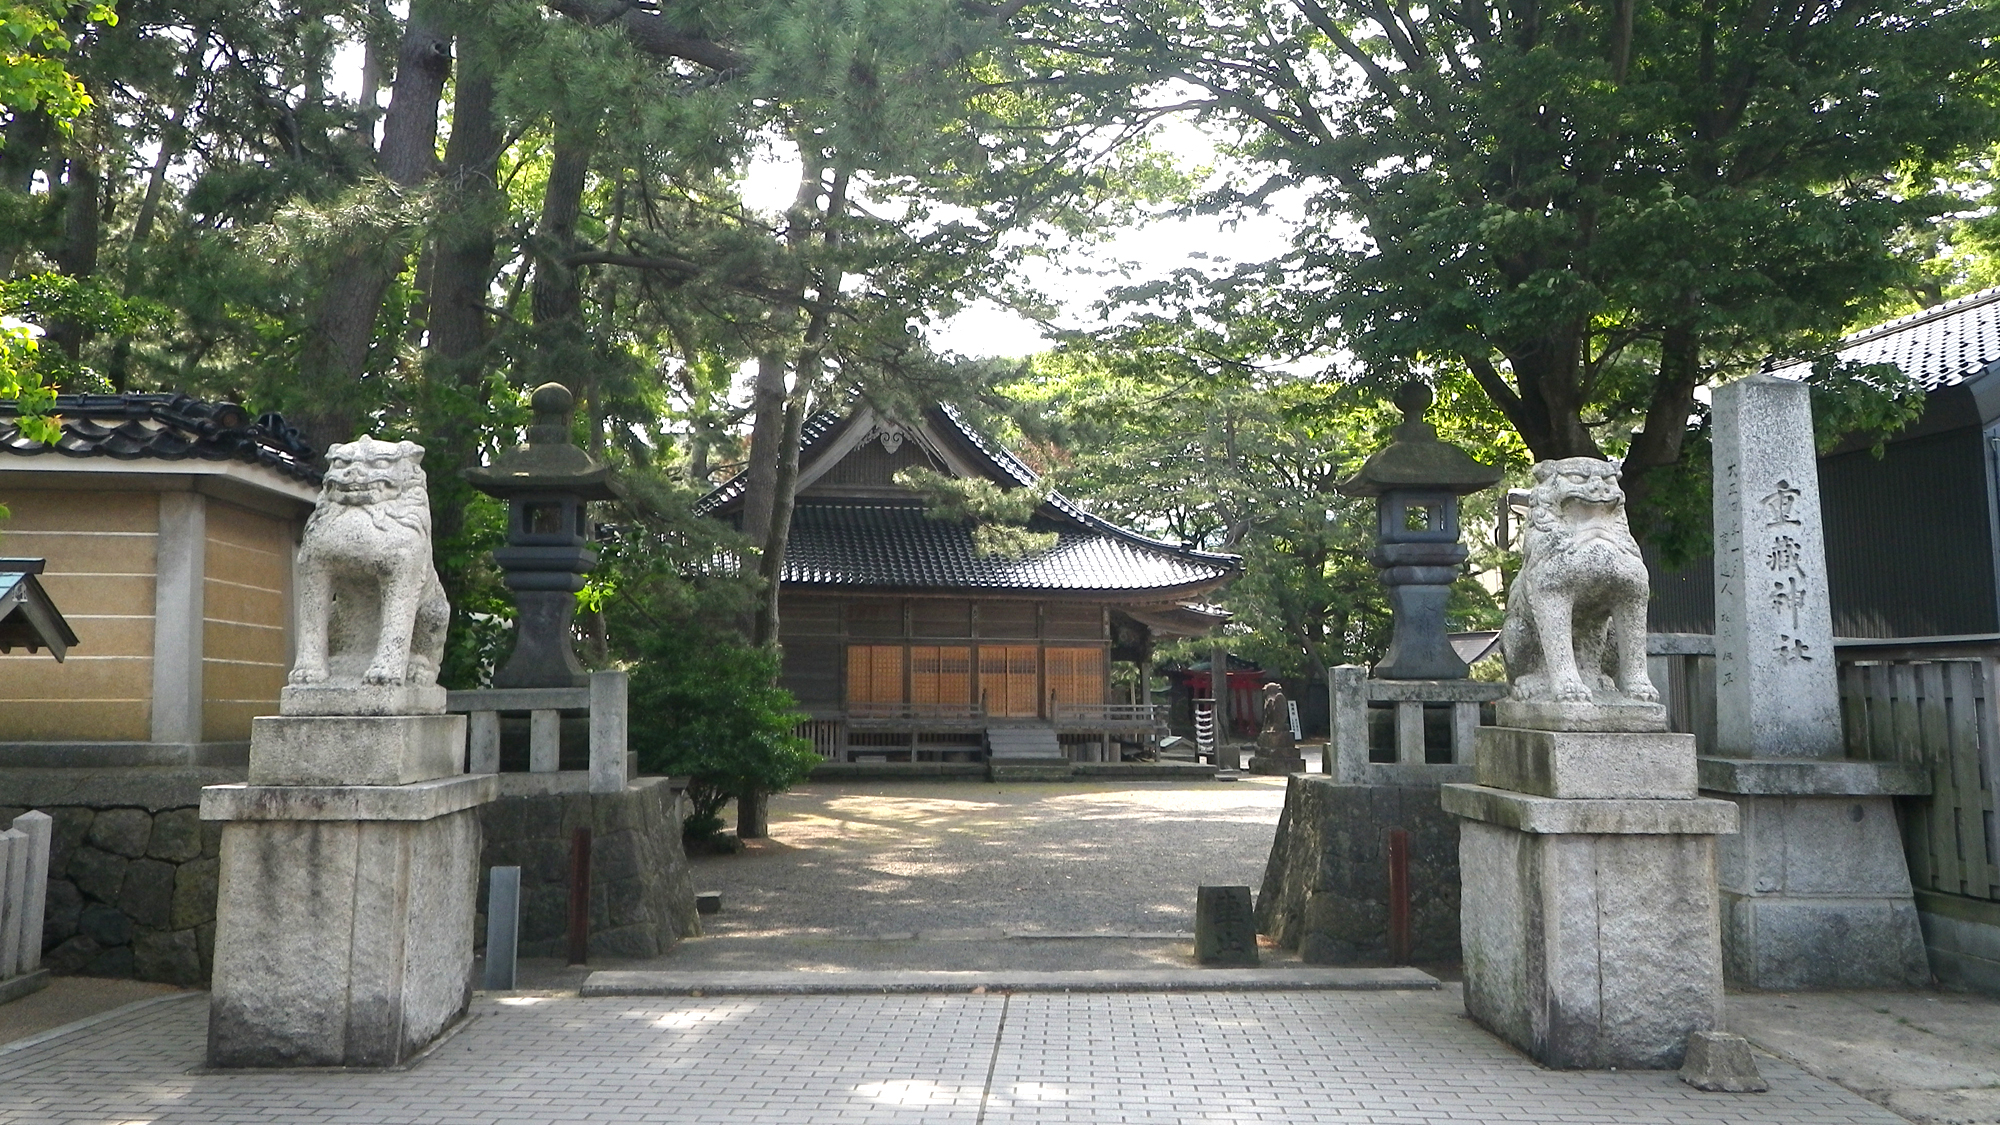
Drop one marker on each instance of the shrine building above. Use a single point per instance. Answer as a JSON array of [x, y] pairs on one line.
[[905, 643]]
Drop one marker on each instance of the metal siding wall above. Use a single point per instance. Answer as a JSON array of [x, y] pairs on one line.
[[1909, 553], [1683, 600]]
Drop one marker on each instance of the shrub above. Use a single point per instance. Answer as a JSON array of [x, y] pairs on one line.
[[707, 707]]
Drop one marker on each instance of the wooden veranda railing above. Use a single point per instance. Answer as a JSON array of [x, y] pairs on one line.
[[1930, 702], [1119, 714]]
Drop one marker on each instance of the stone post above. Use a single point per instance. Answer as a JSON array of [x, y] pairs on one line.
[[350, 856], [1589, 911], [1815, 890], [1776, 688]]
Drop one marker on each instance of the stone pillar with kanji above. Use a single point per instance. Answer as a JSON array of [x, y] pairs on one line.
[[1815, 889]]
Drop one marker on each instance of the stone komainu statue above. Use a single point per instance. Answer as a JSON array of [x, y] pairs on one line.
[[1576, 614], [371, 609]]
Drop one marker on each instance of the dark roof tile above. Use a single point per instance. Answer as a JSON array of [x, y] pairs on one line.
[[1938, 347], [165, 427], [898, 546]]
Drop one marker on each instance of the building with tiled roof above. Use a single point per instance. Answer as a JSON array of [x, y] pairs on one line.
[[906, 641], [168, 525], [1911, 535]]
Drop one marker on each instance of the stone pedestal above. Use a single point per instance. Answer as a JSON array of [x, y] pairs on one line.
[[344, 926], [1589, 917], [1815, 889], [1277, 755]]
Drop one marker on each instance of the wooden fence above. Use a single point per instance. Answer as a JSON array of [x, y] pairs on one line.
[[1930, 703]]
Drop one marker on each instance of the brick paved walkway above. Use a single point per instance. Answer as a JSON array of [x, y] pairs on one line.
[[1209, 1057]]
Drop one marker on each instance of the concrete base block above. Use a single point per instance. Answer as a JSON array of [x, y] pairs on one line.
[[1591, 951], [1816, 894], [13, 988], [1326, 883], [1576, 764], [355, 750], [341, 943], [1606, 717], [367, 699], [1963, 939]]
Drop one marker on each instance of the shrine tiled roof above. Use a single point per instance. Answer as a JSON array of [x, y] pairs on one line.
[[898, 546], [1938, 347], [166, 427], [891, 543], [815, 428]]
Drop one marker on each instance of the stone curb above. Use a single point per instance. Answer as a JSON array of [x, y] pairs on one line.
[[743, 983], [92, 1021]]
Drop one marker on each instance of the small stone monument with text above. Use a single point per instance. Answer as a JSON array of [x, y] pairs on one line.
[[1815, 890], [350, 856], [1588, 911]]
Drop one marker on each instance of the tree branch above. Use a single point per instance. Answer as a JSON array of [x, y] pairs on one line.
[[651, 33]]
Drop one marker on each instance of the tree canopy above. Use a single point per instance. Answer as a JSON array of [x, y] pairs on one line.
[[1593, 209], [399, 217]]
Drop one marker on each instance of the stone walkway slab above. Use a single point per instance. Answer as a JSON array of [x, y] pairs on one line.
[[754, 983], [1031, 1058]]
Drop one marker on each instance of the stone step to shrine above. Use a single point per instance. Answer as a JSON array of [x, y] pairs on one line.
[[1024, 742]]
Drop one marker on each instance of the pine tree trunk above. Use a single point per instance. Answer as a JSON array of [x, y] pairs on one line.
[[76, 254], [27, 137], [766, 446], [771, 566], [556, 295], [335, 355], [456, 317]]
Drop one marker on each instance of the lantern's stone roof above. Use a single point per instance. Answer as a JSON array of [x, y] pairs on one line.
[[1416, 459], [889, 541], [1941, 346], [550, 461], [165, 427]]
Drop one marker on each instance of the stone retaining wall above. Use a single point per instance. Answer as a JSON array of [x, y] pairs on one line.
[[131, 892], [1326, 885], [641, 893]]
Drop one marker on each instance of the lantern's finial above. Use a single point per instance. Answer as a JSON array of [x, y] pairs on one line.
[[1414, 399]]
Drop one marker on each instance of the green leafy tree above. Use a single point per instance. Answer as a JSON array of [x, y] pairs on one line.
[[1172, 432], [1593, 209]]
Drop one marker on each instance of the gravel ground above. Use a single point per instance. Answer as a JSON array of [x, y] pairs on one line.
[[938, 860], [969, 875]]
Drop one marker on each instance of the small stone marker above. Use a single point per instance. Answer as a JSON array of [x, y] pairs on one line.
[[1721, 1063], [503, 928], [1225, 926], [708, 902]]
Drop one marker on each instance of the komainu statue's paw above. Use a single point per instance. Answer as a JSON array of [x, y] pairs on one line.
[[382, 675], [1643, 691], [1573, 691], [303, 676]]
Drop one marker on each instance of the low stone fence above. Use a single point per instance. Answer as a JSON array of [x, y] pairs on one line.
[[24, 876]]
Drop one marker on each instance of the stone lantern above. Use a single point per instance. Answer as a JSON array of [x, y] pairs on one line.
[[1417, 480], [547, 484]]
